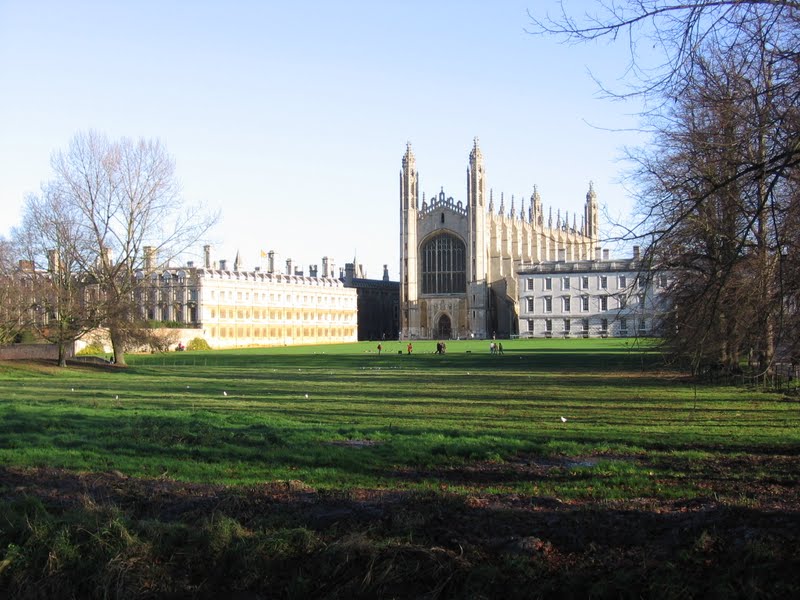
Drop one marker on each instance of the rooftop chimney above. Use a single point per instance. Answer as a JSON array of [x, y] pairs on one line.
[[150, 258], [53, 261], [105, 255], [349, 272]]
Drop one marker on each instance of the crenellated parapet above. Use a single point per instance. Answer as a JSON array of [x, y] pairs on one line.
[[439, 201], [263, 277]]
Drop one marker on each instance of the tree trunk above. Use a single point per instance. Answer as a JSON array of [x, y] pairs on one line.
[[118, 345], [62, 353]]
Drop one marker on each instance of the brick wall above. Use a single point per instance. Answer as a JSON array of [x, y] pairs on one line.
[[32, 352]]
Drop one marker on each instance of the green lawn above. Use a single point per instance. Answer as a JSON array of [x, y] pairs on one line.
[[563, 468], [343, 416]]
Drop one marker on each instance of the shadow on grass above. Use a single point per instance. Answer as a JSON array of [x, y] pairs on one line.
[[527, 357], [68, 534], [210, 446]]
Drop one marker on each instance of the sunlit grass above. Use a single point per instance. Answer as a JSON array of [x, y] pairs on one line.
[[343, 416]]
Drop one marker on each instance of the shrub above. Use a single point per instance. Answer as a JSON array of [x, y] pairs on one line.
[[198, 343], [152, 324], [92, 349], [26, 337]]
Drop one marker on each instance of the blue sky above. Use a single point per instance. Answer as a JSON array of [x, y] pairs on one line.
[[291, 118]]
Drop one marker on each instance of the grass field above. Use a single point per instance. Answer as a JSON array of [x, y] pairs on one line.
[[557, 429]]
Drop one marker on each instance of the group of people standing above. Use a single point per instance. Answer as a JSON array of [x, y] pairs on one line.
[[441, 348]]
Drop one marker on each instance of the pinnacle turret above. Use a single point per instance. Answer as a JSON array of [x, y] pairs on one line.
[[591, 213], [476, 151]]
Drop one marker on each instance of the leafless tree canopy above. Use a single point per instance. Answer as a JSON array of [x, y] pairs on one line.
[[718, 185], [675, 33], [51, 239], [14, 303], [107, 201]]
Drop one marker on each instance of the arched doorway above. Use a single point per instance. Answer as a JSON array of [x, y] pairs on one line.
[[443, 328]]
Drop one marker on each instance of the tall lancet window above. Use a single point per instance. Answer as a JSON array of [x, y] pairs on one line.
[[444, 265]]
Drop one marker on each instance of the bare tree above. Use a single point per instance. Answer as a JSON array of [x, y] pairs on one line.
[[126, 195], [64, 302], [717, 186], [14, 301]]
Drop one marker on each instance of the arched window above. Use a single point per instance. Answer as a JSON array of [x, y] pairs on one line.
[[444, 265]]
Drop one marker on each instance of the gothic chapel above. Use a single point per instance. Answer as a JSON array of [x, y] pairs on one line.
[[459, 262]]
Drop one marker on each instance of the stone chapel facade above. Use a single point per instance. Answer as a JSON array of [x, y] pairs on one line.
[[459, 260]]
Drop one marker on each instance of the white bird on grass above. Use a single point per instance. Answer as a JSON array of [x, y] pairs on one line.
[[224, 393], [563, 419], [306, 396]]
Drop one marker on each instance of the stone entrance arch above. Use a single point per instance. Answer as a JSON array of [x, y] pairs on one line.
[[444, 328]]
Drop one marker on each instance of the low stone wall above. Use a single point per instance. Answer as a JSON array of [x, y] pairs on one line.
[[33, 352], [100, 336]]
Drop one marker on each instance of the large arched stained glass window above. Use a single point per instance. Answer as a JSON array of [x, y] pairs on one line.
[[444, 265]]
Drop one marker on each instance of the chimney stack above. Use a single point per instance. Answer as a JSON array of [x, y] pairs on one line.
[[150, 258], [53, 261], [349, 273]]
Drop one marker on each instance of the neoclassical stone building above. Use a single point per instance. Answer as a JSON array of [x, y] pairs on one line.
[[459, 259], [233, 308], [592, 298]]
